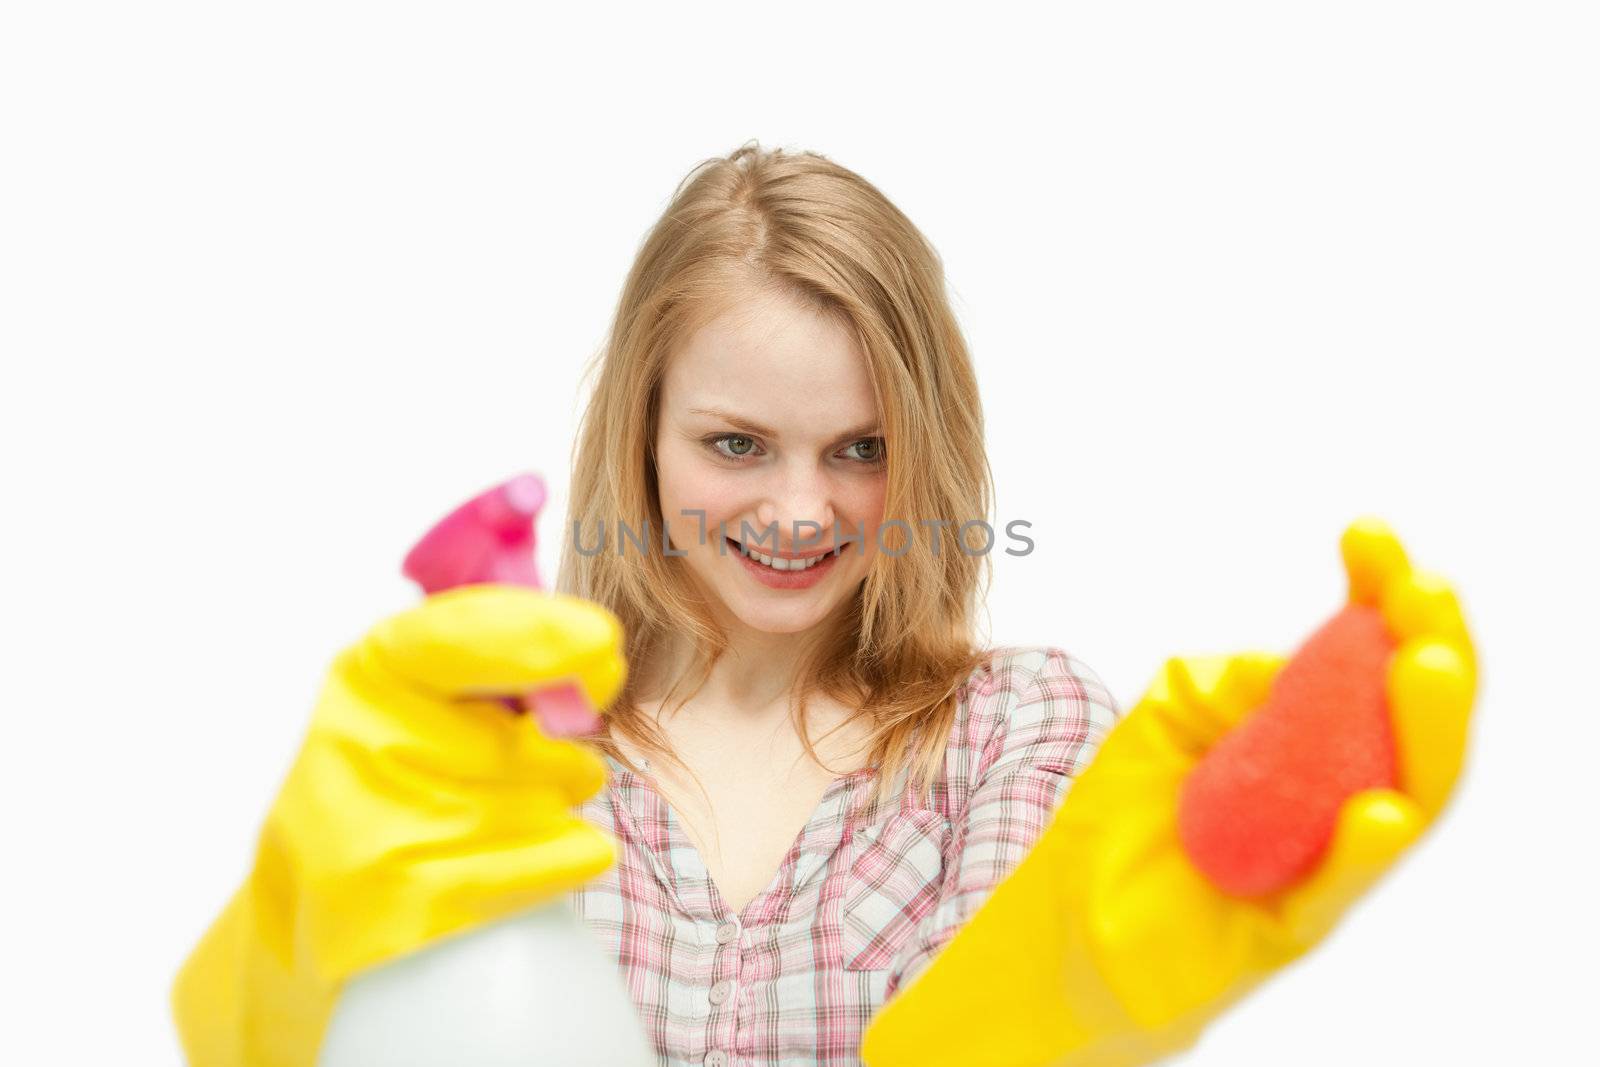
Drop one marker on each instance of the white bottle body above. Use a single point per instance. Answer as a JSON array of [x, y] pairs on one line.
[[534, 990]]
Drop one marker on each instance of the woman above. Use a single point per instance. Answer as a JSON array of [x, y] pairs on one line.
[[815, 775]]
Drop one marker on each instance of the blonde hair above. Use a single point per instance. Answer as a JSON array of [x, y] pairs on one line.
[[767, 220]]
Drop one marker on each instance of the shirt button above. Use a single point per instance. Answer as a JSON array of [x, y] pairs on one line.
[[728, 931], [721, 991], [716, 1058]]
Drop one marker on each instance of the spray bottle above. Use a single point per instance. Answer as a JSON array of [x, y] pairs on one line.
[[537, 989]]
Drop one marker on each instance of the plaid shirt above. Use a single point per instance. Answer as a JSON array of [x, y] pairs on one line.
[[863, 900]]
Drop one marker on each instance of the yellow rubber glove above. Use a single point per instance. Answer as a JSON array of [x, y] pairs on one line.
[[417, 807], [1106, 946]]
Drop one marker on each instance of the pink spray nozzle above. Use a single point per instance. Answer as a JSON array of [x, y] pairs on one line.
[[490, 538]]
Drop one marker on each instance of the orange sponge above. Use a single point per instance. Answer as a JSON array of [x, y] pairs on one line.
[[1257, 812]]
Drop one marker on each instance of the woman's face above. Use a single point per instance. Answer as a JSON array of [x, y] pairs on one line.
[[768, 426]]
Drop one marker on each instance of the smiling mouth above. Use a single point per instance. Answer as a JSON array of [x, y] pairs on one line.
[[779, 563]]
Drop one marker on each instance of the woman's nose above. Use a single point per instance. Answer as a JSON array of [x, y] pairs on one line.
[[800, 504]]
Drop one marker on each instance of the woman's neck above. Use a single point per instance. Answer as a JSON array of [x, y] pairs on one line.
[[750, 684], [744, 704]]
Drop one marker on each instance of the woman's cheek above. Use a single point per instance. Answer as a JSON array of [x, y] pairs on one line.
[[699, 499], [865, 508]]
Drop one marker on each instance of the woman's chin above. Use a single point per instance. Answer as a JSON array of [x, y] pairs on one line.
[[779, 622], [801, 613]]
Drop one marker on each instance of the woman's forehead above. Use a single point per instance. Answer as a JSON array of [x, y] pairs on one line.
[[772, 328], [775, 362]]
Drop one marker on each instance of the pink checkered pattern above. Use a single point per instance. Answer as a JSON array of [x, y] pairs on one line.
[[865, 897]]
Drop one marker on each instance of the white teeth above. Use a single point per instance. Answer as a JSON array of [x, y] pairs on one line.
[[777, 563]]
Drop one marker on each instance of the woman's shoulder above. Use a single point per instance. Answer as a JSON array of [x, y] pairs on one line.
[[1013, 674], [1029, 689]]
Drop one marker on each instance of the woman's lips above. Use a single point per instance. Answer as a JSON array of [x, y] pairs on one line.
[[776, 579]]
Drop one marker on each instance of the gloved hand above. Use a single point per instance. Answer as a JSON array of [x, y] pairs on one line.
[[1107, 946], [417, 807]]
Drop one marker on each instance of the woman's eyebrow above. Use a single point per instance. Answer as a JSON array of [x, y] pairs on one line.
[[746, 426], [868, 430], [735, 421]]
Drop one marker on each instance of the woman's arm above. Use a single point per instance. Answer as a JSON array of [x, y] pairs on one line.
[[417, 808], [1107, 946], [1029, 738]]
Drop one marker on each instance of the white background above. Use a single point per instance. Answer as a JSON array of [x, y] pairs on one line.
[[282, 282]]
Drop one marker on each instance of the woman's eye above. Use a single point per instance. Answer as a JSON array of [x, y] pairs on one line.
[[737, 445], [867, 450]]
